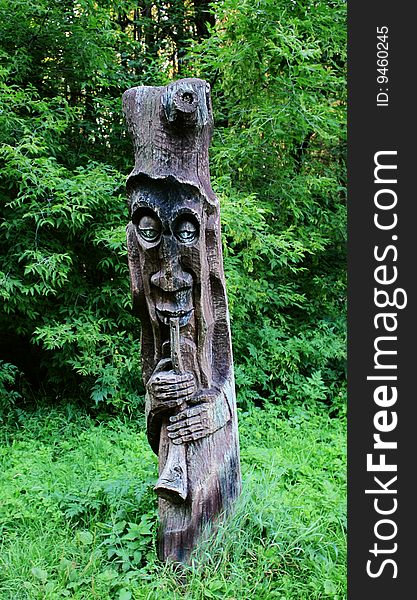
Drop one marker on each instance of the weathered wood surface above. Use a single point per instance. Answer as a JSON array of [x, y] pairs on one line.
[[179, 294]]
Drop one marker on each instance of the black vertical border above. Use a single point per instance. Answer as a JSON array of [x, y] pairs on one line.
[[372, 129]]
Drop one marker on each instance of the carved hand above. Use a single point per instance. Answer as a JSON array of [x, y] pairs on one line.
[[197, 422], [169, 390], [190, 424]]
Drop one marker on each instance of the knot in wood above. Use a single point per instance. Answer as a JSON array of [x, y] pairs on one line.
[[185, 101], [185, 106]]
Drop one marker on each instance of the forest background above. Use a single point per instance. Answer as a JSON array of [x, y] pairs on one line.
[[70, 384]]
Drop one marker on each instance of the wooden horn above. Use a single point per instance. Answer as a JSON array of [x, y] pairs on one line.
[[172, 482]]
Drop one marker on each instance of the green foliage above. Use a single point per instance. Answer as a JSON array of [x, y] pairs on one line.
[[279, 353], [127, 543], [277, 70], [8, 392], [278, 73], [78, 513], [64, 273]]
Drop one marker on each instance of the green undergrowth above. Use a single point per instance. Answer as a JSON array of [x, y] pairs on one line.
[[78, 516]]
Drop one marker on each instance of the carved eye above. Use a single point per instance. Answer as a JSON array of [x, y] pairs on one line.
[[149, 228], [186, 231]]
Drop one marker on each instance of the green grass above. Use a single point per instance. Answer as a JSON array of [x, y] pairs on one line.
[[78, 515]]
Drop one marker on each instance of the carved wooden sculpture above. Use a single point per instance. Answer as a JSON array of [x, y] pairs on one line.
[[179, 293]]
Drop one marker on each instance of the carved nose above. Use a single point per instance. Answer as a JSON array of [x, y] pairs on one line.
[[171, 277]]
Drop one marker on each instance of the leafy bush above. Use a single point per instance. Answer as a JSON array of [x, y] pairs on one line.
[[64, 273], [278, 73]]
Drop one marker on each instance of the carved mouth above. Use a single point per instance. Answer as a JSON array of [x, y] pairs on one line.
[[184, 316]]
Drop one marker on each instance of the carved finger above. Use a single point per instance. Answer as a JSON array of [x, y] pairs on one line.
[[171, 387], [191, 437], [184, 431], [171, 395], [197, 420], [174, 392], [197, 435], [189, 412], [171, 377]]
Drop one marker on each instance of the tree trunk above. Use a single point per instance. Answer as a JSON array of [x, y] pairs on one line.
[[179, 294], [203, 17]]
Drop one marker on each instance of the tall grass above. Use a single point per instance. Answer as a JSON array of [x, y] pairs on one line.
[[78, 515]]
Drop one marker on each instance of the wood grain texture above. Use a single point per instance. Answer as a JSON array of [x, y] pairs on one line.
[[179, 294]]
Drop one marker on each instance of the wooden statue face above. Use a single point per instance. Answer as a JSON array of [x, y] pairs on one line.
[[171, 286], [167, 221]]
